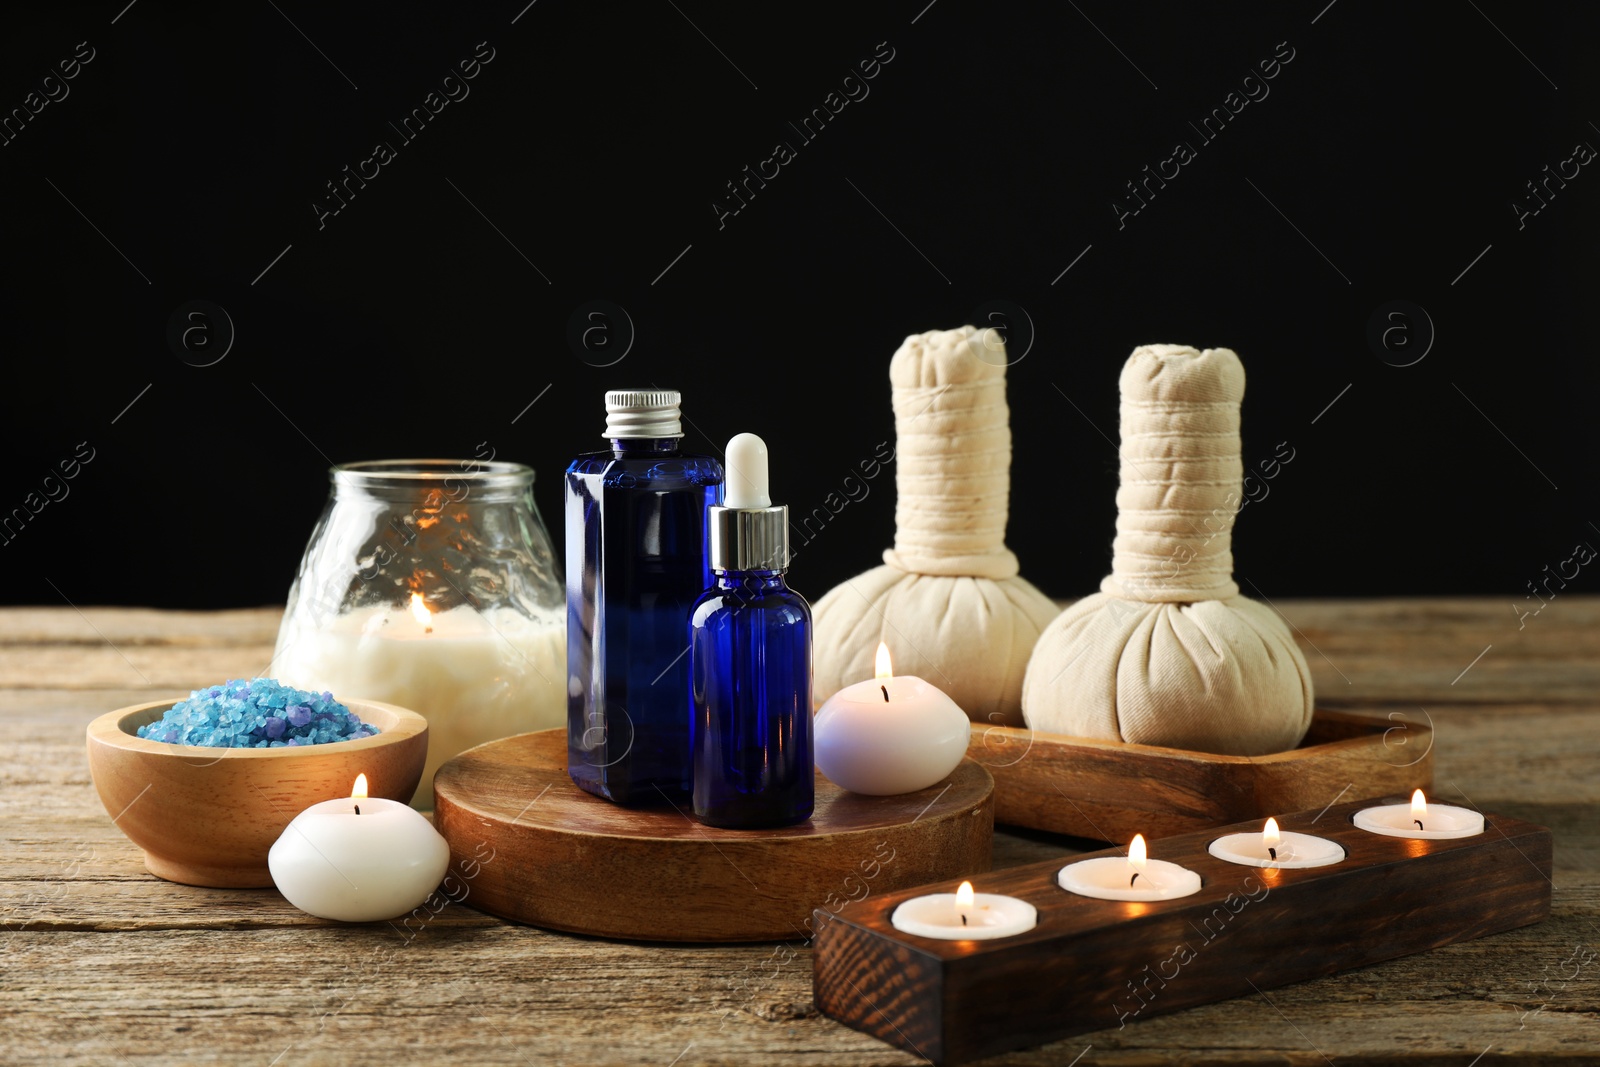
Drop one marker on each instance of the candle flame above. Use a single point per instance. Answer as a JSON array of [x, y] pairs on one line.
[[1419, 805], [359, 790], [1269, 834], [419, 610], [964, 895], [881, 665], [1137, 852]]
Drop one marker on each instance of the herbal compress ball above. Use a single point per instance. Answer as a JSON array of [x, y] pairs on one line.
[[1168, 652], [947, 601]]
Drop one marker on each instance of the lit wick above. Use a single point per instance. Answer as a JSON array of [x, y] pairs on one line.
[[358, 809], [1419, 824], [1272, 852], [420, 612], [1136, 857], [1419, 808], [885, 693], [965, 899]]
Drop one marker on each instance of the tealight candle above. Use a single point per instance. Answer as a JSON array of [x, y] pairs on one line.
[[1135, 878], [1419, 819], [889, 735], [965, 916], [1273, 848], [358, 860]]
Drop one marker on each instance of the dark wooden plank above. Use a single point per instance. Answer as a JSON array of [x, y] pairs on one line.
[[1092, 963]]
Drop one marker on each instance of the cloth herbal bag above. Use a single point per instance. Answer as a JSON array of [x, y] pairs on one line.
[[947, 601], [1168, 652]]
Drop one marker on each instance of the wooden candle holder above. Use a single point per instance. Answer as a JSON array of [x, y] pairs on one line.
[[1097, 964]]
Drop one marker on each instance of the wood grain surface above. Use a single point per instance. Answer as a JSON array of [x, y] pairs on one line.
[[101, 963], [565, 860]]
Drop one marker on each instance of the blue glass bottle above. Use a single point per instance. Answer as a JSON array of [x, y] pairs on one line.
[[750, 663], [636, 561]]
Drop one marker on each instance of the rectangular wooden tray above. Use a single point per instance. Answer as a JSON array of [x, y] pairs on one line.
[[1097, 964], [1109, 791]]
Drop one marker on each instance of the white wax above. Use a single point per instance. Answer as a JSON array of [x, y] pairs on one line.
[[1438, 822], [990, 915], [1295, 851], [1107, 878], [475, 678], [910, 741], [380, 864]]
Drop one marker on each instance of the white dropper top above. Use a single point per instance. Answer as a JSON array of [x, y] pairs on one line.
[[746, 484]]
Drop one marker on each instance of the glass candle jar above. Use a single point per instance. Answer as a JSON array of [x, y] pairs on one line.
[[431, 584]]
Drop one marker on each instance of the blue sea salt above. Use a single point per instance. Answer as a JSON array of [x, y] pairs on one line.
[[258, 713]]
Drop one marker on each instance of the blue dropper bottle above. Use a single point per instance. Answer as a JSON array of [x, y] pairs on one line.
[[750, 661]]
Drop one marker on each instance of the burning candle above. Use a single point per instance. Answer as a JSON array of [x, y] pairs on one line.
[[965, 916], [359, 859], [1419, 819], [475, 676], [1274, 848], [1135, 878], [889, 735]]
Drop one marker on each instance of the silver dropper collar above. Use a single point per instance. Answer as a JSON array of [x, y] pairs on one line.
[[749, 539], [748, 532]]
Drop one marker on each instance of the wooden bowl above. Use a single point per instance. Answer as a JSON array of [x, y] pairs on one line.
[[207, 816]]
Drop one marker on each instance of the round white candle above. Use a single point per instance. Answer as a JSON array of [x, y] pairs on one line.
[[965, 916], [890, 735], [336, 863], [1278, 849], [1133, 877], [475, 677], [1420, 820]]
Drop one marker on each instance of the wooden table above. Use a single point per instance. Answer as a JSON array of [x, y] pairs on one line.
[[102, 963]]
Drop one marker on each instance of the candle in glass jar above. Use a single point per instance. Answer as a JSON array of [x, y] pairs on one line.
[[474, 676]]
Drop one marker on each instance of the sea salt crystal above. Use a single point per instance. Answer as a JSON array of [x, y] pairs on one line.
[[258, 713]]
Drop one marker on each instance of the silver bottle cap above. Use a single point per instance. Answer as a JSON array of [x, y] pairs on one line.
[[636, 413]]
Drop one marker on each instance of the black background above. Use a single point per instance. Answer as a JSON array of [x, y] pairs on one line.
[[984, 161]]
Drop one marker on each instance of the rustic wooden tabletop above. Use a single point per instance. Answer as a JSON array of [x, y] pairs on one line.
[[102, 963]]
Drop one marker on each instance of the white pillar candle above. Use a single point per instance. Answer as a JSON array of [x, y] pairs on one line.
[[359, 859], [1420, 820], [1133, 878], [1276, 849], [965, 916], [890, 735], [475, 677]]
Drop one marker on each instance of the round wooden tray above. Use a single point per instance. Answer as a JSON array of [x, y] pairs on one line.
[[529, 845]]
